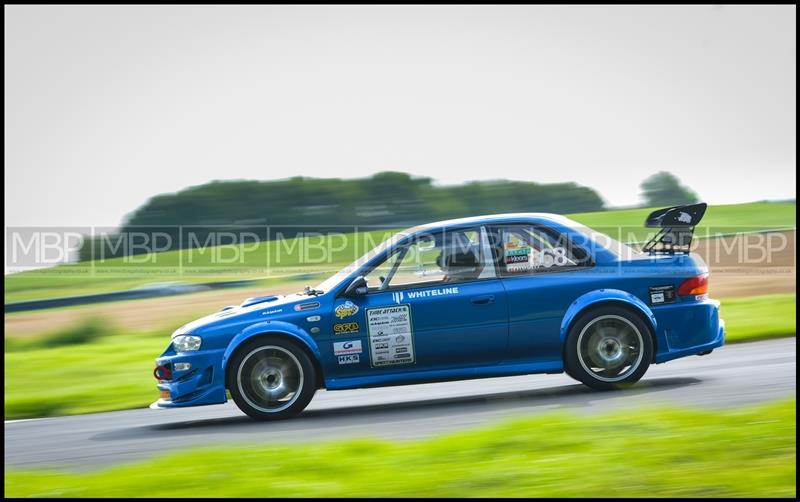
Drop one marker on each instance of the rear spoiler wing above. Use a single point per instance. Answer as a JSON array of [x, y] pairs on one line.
[[676, 225]]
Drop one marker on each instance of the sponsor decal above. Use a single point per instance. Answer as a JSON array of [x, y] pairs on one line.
[[399, 296], [433, 292], [518, 256], [346, 309], [390, 335], [273, 311], [306, 306], [662, 294], [313, 318], [351, 347], [684, 217], [350, 359], [346, 327], [315, 329], [517, 259]]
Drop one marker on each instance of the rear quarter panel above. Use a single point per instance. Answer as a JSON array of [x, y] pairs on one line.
[[542, 306]]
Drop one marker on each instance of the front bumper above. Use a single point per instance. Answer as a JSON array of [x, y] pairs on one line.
[[203, 383]]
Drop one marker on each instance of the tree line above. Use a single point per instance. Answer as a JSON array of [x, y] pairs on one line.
[[300, 204]]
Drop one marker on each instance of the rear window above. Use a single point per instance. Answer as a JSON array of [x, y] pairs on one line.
[[623, 251], [527, 248]]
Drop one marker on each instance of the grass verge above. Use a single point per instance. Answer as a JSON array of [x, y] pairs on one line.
[[658, 452], [759, 317], [109, 373]]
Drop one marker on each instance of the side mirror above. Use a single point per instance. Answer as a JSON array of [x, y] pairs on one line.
[[357, 287]]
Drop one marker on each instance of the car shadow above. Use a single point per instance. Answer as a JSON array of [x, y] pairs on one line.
[[525, 401]]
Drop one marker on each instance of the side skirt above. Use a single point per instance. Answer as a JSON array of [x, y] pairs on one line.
[[429, 376]]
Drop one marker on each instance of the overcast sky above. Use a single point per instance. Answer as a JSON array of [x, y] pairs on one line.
[[106, 106]]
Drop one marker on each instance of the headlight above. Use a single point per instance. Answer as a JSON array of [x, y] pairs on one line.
[[186, 343]]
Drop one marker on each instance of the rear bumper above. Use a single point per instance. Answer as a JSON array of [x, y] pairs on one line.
[[202, 384], [686, 329]]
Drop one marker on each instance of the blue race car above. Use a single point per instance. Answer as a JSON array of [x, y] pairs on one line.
[[476, 297]]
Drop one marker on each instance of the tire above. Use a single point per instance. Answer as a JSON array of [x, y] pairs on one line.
[[608, 348], [271, 378]]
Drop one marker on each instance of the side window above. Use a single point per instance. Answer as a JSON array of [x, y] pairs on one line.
[[419, 264], [378, 275], [453, 256], [525, 249]]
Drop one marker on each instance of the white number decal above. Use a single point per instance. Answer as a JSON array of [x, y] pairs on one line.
[[561, 257], [556, 256]]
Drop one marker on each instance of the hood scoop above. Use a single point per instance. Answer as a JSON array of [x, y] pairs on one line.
[[227, 310], [258, 299]]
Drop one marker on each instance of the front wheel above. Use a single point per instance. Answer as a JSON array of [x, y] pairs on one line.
[[608, 348], [271, 378]]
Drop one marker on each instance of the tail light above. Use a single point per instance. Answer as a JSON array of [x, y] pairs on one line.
[[694, 286]]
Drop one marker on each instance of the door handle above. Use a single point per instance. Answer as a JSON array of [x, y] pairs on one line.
[[482, 300]]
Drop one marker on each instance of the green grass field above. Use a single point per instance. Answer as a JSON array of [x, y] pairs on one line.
[[759, 317], [749, 452], [36, 387], [319, 256], [723, 219], [108, 373]]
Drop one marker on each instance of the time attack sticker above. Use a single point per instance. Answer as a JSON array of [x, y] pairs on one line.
[[391, 339]]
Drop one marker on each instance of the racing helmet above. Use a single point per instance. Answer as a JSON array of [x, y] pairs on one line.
[[458, 263]]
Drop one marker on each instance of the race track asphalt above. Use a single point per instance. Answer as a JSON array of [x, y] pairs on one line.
[[733, 375]]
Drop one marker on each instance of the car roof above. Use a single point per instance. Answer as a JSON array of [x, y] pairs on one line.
[[494, 219]]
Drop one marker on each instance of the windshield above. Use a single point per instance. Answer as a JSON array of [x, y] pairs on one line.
[[335, 279]]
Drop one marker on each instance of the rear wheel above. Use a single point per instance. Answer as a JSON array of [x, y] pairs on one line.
[[271, 378], [608, 348]]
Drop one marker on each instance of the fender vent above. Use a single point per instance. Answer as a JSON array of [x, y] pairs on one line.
[[187, 376], [208, 376]]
